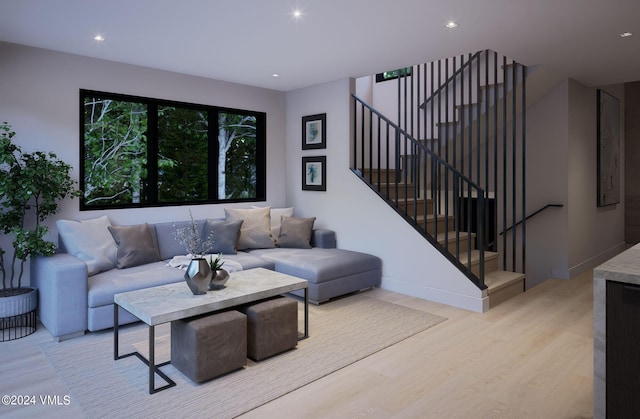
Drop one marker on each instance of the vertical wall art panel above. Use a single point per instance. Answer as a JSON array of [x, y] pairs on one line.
[[608, 149]]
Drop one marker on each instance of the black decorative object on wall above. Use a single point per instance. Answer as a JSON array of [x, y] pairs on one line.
[[314, 131], [314, 173], [608, 149]]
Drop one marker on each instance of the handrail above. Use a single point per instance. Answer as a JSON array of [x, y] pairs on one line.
[[446, 82], [531, 215], [441, 182], [432, 155]]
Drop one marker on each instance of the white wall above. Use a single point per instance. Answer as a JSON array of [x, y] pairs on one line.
[[595, 233], [363, 222], [548, 183], [562, 168], [39, 97]]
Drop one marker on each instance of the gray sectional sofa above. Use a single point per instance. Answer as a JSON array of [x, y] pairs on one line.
[[96, 260]]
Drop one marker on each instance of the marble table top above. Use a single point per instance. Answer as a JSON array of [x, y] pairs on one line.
[[624, 267], [166, 303]]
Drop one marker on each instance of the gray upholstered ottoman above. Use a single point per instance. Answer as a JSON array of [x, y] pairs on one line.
[[205, 347], [331, 272], [272, 327]]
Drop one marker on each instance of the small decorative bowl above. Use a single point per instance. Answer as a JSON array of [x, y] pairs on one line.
[[217, 282]]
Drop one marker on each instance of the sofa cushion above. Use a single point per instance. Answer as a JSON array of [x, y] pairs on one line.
[[276, 218], [168, 245], [136, 245], [318, 265], [296, 232], [225, 235], [249, 261], [89, 241], [255, 232], [103, 286]]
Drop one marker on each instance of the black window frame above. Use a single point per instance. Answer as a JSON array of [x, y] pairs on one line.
[[152, 151]]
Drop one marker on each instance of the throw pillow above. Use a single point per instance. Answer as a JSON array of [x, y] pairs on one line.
[[89, 241], [276, 215], [136, 245], [296, 232], [225, 235], [255, 232]]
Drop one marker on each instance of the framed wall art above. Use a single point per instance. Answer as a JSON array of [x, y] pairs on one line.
[[314, 173], [314, 131], [608, 149]]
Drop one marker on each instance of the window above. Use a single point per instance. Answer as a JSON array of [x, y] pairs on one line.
[[391, 75], [140, 152]]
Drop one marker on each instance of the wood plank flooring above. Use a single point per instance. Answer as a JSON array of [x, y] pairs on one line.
[[529, 357]]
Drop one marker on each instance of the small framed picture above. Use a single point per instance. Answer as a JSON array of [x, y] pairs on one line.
[[314, 173], [314, 131]]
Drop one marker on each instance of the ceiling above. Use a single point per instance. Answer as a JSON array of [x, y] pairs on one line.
[[247, 41]]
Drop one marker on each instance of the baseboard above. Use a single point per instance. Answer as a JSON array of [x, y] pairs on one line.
[[590, 263], [479, 304]]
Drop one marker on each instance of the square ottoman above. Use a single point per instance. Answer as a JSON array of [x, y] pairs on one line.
[[205, 347], [272, 327]]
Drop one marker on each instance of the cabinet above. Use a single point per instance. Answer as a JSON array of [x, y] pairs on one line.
[[623, 350]]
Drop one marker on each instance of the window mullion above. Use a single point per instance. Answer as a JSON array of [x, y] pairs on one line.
[[214, 153], [151, 186]]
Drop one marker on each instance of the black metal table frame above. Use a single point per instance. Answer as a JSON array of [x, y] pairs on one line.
[[155, 369]]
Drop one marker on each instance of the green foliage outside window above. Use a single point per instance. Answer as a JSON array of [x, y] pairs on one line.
[[394, 74], [146, 152], [183, 143], [114, 151]]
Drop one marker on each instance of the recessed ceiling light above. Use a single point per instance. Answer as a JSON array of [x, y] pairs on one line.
[[276, 75], [625, 34], [98, 38], [296, 14], [451, 24]]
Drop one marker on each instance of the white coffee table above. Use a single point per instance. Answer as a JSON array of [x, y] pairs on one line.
[[166, 303]]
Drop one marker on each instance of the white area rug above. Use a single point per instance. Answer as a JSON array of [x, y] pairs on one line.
[[341, 333]]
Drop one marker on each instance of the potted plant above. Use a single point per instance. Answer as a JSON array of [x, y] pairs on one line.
[[219, 275], [199, 274], [30, 186]]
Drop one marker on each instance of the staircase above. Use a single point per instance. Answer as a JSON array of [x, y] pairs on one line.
[[452, 165]]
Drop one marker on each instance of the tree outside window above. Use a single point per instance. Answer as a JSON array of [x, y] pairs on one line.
[[146, 152]]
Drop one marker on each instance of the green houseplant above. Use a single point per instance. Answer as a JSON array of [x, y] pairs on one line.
[[31, 184]]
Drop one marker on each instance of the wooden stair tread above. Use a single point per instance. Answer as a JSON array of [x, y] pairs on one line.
[[497, 280], [451, 236], [475, 256], [431, 217], [410, 200], [393, 185]]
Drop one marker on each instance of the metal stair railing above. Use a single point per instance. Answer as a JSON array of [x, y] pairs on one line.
[[434, 206], [475, 121]]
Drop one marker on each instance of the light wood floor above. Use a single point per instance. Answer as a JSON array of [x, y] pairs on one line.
[[529, 357]]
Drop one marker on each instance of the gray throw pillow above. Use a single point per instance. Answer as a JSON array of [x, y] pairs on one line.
[[296, 232], [136, 245], [89, 241], [225, 235]]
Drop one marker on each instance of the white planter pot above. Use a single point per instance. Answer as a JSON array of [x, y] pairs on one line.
[[19, 304]]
